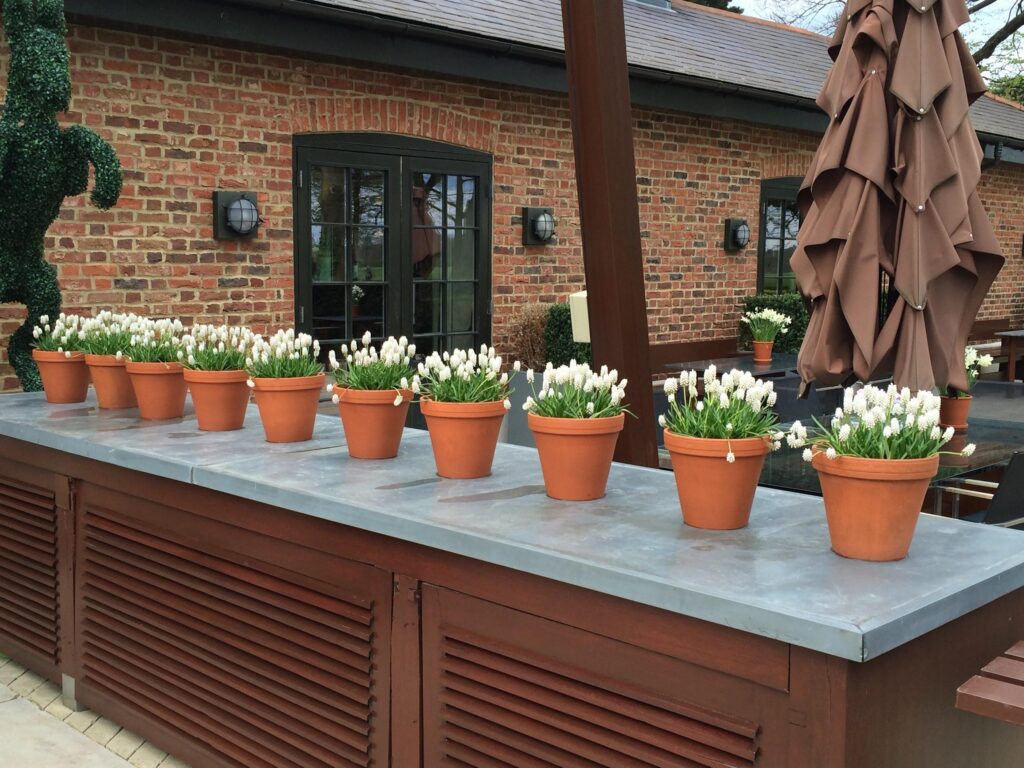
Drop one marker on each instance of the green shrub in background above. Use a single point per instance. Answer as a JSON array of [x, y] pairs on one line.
[[558, 338], [791, 304]]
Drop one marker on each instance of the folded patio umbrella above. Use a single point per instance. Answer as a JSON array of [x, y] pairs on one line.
[[896, 253]]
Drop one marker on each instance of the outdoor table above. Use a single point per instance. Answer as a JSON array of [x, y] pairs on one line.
[[1010, 340], [245, 604], [780, 365], [995, 443]]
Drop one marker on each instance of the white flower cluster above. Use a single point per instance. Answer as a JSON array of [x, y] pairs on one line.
[[464, 376], [580, 378], [392, 352], [765, 324], [283, 345], [735, 385], [63, 336], [975, 361], [203, 343], [146, 332], [880, 423], [108, 328]]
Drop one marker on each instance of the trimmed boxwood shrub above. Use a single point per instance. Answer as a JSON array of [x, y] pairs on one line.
[[791, 304], [558, 338]]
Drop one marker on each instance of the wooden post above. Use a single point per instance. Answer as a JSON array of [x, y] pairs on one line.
[[602, 126]]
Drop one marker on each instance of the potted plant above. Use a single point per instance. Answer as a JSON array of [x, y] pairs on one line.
[[153, 364], [718, 444], [104, 341], [765, 325], [215, 373], [357, 296], [371, 390], [463, 397], [875, 461], [58, 353], [576, 418], [956, 404], [286, 375]]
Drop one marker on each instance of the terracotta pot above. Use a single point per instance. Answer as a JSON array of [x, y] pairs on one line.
[[873, 504], [159, 389], [109, 377], [373, 423], [65, 379], [575, 454], [953, 411], [219, 397], [288, 407], [713, 493], [463, 436], [763, 351]]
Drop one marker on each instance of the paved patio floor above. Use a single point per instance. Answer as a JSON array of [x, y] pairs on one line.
[[38, 731]]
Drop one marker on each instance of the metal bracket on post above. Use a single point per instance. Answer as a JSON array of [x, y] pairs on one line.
[[67, 691]]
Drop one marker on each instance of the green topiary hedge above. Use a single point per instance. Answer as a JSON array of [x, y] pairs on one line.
[[40, 165], [558, 338], [791, 304]]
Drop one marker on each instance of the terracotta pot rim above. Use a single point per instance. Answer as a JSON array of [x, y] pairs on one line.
[[216, 377], [49, 356], [565, 426], [493, 409], [290, 383], [948, 397], [370, 396], [711, 446], [107, 361], [153, 369], [876, 469]]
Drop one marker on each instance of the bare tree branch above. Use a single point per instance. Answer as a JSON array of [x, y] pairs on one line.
[[1003, 34], [980, 6]]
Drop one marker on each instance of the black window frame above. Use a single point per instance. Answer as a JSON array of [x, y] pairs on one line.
[[784, 189], [400, 157]]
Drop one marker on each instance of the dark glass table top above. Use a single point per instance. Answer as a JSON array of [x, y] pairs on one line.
[[781, 364]]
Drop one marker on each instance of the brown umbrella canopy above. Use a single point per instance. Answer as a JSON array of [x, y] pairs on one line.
[[892, 193]]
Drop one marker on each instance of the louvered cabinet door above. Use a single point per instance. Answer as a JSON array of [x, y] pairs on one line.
[[227, 647], [29, 575], [504, 689]]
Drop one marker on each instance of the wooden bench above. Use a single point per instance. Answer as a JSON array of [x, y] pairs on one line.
[[997, 691], [688, 351]]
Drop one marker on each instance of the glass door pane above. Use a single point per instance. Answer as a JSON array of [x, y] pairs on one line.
[[349, 241]]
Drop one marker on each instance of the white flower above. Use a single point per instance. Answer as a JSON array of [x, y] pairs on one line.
[[948, 435], [808, 454], [830, 453], [968, 450], [398, 399], [730, 457], [530, 375], [528, 404], [252, 384], [517, 366], [844, 433], [700, 405], [507, 403], [335, 398], [662, 421]]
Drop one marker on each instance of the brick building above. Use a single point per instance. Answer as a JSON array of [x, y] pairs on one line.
[[392, 151]]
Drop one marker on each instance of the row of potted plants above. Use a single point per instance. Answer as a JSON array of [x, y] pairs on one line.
[[881, 445]]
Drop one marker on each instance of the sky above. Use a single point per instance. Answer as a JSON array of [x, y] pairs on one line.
[[976, 32]]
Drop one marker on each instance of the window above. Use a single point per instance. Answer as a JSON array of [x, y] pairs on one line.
[[780, 224], [392, 237]]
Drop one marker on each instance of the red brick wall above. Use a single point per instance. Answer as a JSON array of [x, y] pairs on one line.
[[188, 118]]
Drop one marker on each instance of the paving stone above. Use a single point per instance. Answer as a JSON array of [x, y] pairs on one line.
[[10, 672], [44, 695], [58, 710], [80, 721], [33, 739], [26, 683], [173, 762], [147, 756], [6, 694], [102, 731], [125, 743]]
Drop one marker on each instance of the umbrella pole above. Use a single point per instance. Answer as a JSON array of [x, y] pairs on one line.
[[602, 125]]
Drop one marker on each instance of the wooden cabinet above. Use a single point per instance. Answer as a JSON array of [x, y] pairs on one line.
[[29, 567], [235, 649], [505, 688]]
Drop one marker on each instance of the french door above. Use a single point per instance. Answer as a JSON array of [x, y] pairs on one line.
[[392, 236]]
